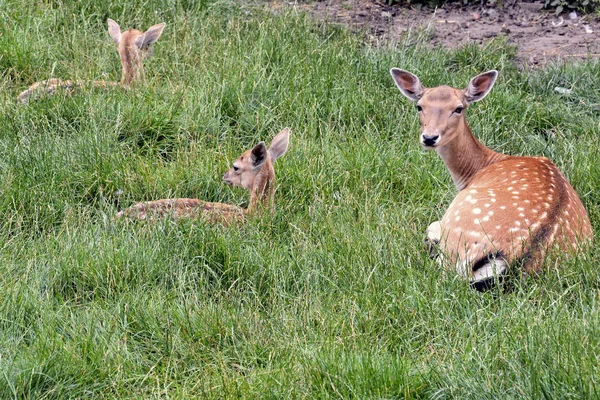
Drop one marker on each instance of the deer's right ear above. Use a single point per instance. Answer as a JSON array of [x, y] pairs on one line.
[[279, 144], [114, 31], [408, 83], [150, 36], [258, 154]]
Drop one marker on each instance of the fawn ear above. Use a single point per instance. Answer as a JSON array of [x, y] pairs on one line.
[[114, 31], [480, 86], [279, 144], [408, 83], [150, 36], [258, 154]]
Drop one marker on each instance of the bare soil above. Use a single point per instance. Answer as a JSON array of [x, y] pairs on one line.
[[540, 36]]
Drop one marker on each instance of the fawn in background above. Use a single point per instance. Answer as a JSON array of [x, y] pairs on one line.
[[253, 170], [133, 46], [509, 209]]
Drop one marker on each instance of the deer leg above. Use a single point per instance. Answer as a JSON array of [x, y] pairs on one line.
[[488, 274], [432, 239]]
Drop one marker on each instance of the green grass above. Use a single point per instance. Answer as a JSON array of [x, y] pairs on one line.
[[333, 297]]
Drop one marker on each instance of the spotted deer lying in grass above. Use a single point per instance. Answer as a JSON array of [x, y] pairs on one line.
[[133, 46], [509, 209], [253, 170]]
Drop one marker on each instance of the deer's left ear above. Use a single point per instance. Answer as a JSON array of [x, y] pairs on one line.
[[114, 31], [480, 86], [258, 154], [150, 36]]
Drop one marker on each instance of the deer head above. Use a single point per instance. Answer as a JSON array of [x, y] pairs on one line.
[[133, 46], [254, 170], [441, 109]]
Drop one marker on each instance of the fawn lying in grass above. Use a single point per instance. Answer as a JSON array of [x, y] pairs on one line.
[[133, 46], [253, 170], [509, 209]]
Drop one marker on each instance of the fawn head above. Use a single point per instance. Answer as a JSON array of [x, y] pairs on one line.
[[253, 162], [441, 109], [134, 46]]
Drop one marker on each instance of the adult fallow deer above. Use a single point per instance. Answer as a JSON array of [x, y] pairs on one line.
[[509, 209], [133, 46], [253, 170]]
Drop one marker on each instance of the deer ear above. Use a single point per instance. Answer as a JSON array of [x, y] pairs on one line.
[[480, 86], [114, 31], [279, 144], [408, 83], [150, 36], [258, 154]]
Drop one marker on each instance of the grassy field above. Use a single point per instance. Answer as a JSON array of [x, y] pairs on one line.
[[334, 296]]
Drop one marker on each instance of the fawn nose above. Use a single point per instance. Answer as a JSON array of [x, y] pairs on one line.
[[226, 178], [429, 140]]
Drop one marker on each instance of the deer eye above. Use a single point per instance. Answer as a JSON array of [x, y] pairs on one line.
[[236, 169], [459, 110], [419, 108]]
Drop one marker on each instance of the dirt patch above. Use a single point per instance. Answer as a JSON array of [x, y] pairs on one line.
[[539, 35]]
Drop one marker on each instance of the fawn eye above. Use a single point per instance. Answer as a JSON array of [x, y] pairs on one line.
[[419, 108], [459, 110], [236, 169]]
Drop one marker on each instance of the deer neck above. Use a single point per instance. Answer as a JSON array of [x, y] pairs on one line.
[[132, 67], [263, 189], [464, 156]]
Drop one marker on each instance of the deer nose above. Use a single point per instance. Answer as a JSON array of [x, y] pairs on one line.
[[428, 140]]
